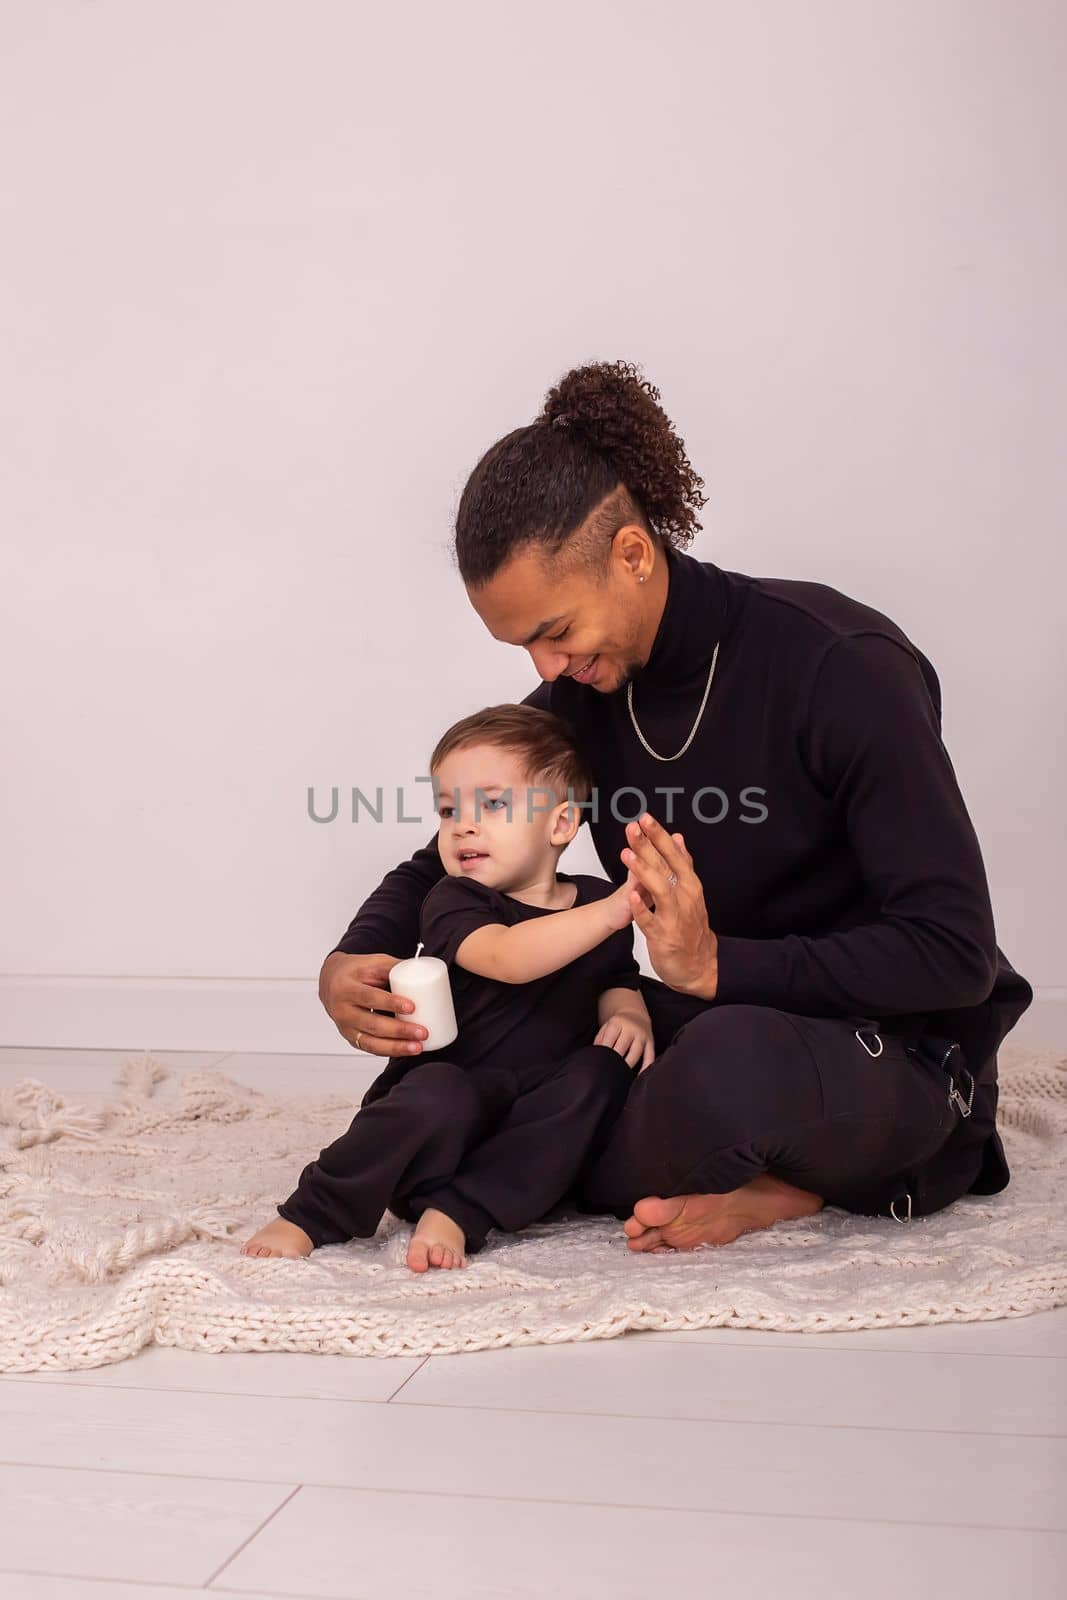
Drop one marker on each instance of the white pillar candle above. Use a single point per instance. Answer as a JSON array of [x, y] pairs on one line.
[[424, 980]]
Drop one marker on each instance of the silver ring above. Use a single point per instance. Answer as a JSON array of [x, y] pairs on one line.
[[672, 879]]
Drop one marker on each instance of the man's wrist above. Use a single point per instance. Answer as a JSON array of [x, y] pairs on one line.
[[708, 987]]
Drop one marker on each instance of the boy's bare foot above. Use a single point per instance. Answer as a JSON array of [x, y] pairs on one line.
[[278, 1238], [436, 1242]]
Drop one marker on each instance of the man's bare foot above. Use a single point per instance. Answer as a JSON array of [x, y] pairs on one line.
[[688, 1220], [278, 1238], [436, 1242]]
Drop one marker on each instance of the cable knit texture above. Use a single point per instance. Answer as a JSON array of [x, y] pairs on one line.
[[121, 1225]]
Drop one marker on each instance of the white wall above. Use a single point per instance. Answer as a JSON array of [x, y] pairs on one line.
[[277, 273]]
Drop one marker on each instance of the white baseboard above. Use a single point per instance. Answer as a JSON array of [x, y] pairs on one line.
[[260, 1015]]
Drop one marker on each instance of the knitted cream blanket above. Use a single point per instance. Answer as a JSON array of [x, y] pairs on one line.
[[121, 1223]]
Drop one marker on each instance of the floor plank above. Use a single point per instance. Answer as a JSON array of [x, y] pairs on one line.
[[735, 1382], [122, 1525], [342, 1543], [855, 1472], [268, 1374]]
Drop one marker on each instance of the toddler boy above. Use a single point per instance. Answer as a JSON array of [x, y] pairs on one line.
[[494, 1129]]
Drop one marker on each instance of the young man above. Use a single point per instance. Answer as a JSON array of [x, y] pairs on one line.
[[811, 888]]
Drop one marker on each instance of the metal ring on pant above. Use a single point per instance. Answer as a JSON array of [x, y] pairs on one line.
[[866, 1046], [893, 1204]]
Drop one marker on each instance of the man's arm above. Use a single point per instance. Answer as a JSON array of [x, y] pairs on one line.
[[872, 742]]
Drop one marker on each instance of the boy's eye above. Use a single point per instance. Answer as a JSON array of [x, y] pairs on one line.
[[555, 637], [487, 805]]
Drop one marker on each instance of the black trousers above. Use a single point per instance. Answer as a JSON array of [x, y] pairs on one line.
[[489, 1145], [835, 1106]]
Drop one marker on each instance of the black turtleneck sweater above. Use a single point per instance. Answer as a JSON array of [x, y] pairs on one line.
[[841, 871]]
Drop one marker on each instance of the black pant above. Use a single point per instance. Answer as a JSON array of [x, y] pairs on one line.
[[835, 1106], [490, 1145]]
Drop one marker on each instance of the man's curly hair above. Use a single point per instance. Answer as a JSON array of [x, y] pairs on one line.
[[614, 452]]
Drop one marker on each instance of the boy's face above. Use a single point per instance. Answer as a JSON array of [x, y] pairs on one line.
[[498, 844]]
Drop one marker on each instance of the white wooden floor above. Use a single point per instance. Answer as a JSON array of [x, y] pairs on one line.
[[926, 1462]]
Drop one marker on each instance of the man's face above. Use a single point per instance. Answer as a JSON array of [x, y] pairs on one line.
[[593, 628]]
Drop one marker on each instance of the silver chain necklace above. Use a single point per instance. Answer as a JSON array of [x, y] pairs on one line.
[[696, 724]]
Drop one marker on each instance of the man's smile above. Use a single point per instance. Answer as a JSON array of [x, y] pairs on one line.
[[586, 672]]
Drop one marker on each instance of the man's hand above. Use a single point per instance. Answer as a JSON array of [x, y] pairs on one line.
[[630, 1033], [672, 916], [355, 992]]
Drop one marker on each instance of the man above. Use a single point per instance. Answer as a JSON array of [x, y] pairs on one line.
[[830, 993]]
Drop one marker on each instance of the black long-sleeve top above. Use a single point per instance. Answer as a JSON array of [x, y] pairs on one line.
[[841, 871]]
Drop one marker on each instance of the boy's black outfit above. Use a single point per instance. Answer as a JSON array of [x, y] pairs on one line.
[[495, 1128], [844, 881]]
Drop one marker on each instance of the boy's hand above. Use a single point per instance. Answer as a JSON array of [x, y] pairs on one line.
[[617, 907], [631, 1035]]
